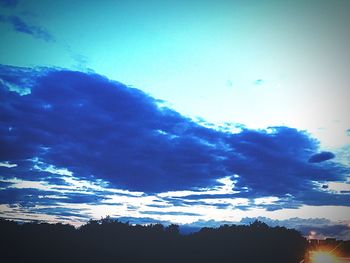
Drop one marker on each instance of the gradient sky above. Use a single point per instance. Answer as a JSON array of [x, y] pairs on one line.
[[228, 110]]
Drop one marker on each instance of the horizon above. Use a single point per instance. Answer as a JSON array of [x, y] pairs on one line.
[[183, 229], [192, 113]]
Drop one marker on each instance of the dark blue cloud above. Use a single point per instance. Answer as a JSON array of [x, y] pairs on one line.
[[100, 129], [4, 184], [322, 227], [9, 3], [169, 213], [141, 220], [340, 231], [321, 157], [19, 25], [197, 225], [27, 197], [61, 212], [314, 197], [83, 198]]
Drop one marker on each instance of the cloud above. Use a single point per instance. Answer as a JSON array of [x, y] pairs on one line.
[[9, 3], [259, 82], [141, 220], [7, 164], [321, 157], [19, 25], [320, 227], [26, 198], [168, 213], [99, 129]]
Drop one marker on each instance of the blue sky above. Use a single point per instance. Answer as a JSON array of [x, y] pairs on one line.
[[194, 111]]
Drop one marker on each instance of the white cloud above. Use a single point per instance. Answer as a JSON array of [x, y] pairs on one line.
[[226, 187], [7, 164]]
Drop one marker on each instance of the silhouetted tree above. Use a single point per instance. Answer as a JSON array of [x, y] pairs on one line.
[[107, 240]]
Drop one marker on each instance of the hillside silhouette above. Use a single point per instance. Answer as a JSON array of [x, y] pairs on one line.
[[107, 240]]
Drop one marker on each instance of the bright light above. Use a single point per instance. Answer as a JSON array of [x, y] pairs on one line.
[[323, 257]]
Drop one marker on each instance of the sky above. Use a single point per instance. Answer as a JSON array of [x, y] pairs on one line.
[[191, 112]]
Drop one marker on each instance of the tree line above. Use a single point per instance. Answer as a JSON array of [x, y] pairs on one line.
[[108, 240]]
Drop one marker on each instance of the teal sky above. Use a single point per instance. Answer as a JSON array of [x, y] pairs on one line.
[[258, 63]]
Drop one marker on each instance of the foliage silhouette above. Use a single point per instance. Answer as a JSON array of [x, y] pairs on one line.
[[107, 240]]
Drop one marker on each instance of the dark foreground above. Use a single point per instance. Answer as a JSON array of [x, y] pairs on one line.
[[112, 241]]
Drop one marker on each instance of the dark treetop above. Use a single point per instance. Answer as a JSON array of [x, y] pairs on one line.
[[106, 240]]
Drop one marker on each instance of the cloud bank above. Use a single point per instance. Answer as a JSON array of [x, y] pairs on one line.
[[59, 126]]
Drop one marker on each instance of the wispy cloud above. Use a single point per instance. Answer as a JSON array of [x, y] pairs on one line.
[[19, 25], [9, 3], [312, 227]]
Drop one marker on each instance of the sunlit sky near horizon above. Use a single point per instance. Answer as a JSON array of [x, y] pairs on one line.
[[226, 71]]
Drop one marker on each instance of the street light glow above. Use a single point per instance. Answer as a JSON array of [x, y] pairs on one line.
[[323, 257]]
